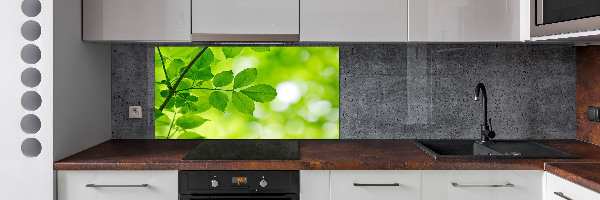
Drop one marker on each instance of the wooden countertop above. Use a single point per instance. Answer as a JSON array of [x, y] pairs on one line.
[[581, 173], [377, 154]]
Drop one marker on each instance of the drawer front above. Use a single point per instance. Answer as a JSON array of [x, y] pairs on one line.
[[482, 184], [112, 185], [566, 190], [377, 185]]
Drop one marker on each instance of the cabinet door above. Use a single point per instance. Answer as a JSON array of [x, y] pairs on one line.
[[561, 189], [222, 17], [375, 185], [354, 20], [482, 184], [117, 185], [136, 20], [314, 185], [468, 20]]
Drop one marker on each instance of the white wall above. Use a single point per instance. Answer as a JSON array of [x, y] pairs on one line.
[[24, 177], [82, 84], [75, 92]]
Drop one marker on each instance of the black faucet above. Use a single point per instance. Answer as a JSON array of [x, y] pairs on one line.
[[486, 129]]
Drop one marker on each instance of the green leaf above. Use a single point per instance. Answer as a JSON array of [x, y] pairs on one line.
[[171, 103], [223, 79], [157, 113], [260, 49], [190, 135], [179, 102], [164, 93], [242, 103], [245, 77], [205, 60], [160, 137], [190, 121], [184, 95], [192, 98], [218, 100], [163, 120], [231, 52], [185, 109], [260, 93], [203, 74], [164, 82], [194, 108], [184, 84], [175, 68], [201, 106]]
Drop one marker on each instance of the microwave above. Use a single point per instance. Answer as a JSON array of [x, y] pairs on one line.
[[564, 17]]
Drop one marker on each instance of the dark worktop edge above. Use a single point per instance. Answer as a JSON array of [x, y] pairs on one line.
[[580, 179]]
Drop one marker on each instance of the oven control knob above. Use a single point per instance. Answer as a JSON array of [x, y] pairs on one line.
[[214, 183], [263, 183]]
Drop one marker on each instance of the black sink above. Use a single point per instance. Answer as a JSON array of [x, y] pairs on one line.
[[493, 149]]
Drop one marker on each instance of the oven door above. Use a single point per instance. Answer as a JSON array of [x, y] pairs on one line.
[[237, 197]]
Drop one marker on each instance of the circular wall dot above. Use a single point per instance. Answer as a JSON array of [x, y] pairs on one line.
[[31, 100], [31, 147], [31, 77], [31, 54], [31, 124], [31, 8], [31, 30]]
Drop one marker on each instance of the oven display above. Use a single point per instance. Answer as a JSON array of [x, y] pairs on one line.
[[239, 180]]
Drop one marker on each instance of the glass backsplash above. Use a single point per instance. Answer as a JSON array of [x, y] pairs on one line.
[[246, 92]]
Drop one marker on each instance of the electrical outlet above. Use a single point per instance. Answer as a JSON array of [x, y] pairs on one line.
[[135, 112]]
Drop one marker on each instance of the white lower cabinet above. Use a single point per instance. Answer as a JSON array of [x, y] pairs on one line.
[[482, 184], [117, 185], [314, 184], [375, 185], [561, 189]]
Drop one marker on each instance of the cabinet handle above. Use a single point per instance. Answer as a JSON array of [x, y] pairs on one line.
[[560, 194], [94, 185], [505, 185], [361, 184]]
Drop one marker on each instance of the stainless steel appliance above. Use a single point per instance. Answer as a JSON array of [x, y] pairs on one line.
[[234, 185], [555, 17]]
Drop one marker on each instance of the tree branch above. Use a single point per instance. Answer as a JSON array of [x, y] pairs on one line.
[[193, 88], [173, 89], [164, 68], [171, 126]]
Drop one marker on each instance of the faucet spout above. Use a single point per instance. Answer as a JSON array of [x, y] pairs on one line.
[[486, 132]]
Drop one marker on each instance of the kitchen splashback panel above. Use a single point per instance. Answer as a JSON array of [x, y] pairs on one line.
[[408, 90], [246, 92]]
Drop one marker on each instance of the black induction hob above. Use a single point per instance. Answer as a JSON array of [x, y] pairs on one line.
[[265, 149]]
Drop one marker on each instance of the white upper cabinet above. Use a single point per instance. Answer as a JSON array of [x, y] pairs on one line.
[[245, 20], [468, 20], [354, 20], [136, 20]]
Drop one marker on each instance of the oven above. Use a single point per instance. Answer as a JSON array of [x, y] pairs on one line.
[[556, 17], [234, 185]]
